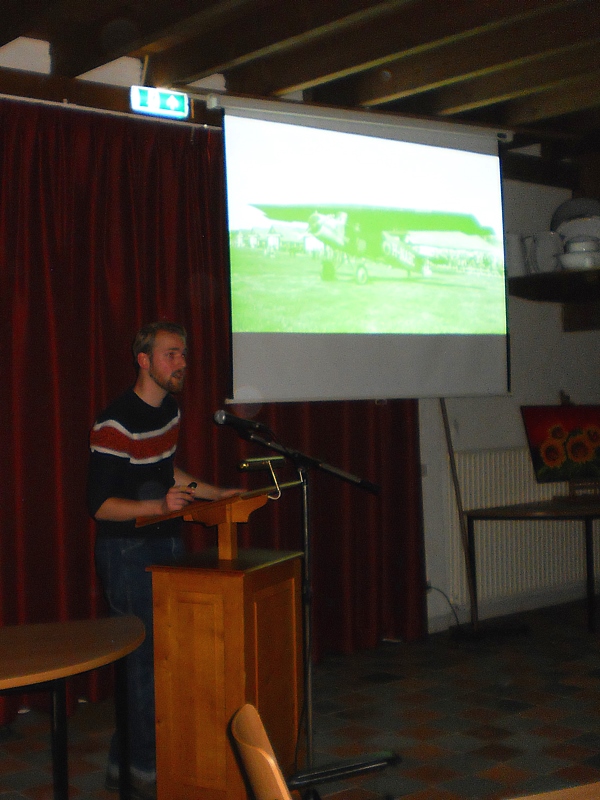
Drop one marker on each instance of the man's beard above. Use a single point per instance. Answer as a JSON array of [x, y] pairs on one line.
[[173, 384]]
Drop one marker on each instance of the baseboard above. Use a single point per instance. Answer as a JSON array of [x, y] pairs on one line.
[[514, 604]]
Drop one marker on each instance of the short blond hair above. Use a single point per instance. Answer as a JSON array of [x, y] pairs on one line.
[[145, 338]]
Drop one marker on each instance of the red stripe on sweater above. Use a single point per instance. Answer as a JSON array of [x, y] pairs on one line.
[[120, 443]]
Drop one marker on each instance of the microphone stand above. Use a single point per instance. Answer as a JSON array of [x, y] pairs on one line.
[[309, 777]]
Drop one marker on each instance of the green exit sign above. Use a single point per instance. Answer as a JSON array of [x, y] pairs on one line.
[[159, 102]]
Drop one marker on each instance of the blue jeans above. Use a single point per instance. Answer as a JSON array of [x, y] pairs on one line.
[[121, 565]]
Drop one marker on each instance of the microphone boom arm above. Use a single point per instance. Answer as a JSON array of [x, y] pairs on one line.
[[302, 460]]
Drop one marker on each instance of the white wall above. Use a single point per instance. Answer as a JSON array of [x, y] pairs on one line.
[[543, 359]]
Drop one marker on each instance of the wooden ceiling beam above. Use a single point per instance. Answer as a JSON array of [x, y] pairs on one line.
[[19, 16], [84, 94], [519, 64], [543, 72], [477, 54], [571, 96], [273, 28], [34, 86], [81, 43], [419, 27]]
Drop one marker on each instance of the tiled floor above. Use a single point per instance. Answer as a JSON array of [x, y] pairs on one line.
[[25, 765], [495, 717]]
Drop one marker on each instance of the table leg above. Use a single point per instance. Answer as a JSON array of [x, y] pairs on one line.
[[471, 572], [590, 576], [122, 723], [60, 770]]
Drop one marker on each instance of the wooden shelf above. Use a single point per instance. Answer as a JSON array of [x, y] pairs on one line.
[[572, 286]]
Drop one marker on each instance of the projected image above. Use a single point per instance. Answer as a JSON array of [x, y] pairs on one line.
[[336, 232]]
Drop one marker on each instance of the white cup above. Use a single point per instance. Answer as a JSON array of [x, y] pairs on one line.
[[514, 251], [541, 251]]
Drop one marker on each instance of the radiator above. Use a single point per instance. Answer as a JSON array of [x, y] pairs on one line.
[[514, 559]]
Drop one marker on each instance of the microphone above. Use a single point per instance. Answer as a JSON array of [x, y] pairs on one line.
[[261, 463], [242, 425]]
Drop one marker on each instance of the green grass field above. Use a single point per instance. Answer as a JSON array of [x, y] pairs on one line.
[[285, 292]]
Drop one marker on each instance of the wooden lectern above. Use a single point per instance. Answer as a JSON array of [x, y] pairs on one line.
[[227, 631]]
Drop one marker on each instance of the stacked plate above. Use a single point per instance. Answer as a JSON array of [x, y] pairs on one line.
[[578, 223], [580, 260]]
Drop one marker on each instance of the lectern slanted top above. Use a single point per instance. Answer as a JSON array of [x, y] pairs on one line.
[[225, 514]]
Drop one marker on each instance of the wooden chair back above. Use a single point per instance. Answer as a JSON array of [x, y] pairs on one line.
[[260, 764]]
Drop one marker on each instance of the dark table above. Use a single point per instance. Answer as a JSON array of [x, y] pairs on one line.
[[584, 510]]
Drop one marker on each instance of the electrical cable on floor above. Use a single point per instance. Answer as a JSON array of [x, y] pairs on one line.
[[435, 589]]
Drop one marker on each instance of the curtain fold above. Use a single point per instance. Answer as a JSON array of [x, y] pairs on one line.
[[107, 223]]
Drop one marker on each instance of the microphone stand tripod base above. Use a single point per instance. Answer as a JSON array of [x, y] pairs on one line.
[[339, 771]]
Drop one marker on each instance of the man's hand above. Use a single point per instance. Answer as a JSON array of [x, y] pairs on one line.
[[223, 493], [178, 497]]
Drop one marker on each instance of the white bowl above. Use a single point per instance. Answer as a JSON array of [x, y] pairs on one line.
[[583, 226], [573, 209], [589, 260]]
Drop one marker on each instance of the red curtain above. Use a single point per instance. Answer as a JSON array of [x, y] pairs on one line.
[[107, 223]]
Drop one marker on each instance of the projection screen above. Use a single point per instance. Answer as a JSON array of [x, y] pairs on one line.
[[366, 256]]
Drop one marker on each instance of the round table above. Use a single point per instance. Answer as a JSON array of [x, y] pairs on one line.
[[43, 655]]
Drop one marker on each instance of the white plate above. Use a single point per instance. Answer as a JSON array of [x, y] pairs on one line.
[[582, 244], [579, 260], [582, 226]]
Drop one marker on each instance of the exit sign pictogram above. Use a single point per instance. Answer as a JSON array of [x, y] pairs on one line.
[[159, 102]]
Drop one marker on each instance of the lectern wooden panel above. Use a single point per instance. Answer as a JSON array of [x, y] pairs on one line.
[[225, 633]]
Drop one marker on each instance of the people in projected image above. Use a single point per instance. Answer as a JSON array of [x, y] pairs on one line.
[[356, 244], [273, 243], [132, 474]]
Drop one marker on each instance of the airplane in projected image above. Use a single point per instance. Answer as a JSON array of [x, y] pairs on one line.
[[418, 242]]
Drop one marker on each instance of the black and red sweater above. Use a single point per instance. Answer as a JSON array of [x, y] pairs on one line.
[[132, 450]]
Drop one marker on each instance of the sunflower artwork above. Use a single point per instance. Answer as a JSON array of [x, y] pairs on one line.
[[564, 442]]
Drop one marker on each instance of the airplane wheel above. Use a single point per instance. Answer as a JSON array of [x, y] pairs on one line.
[[362, 276], [328, 271]]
